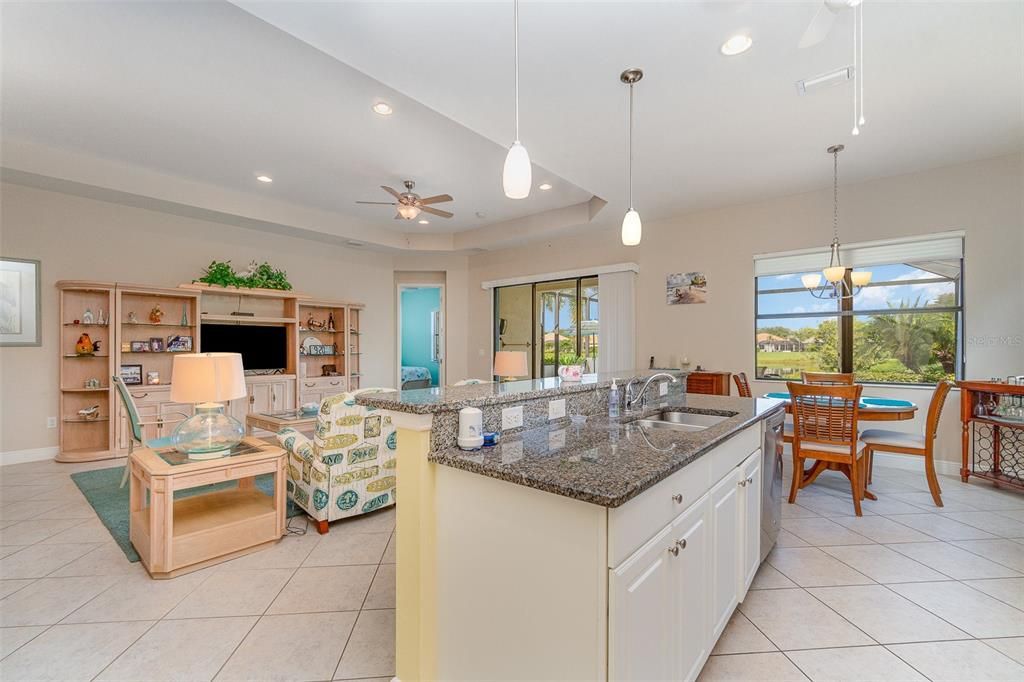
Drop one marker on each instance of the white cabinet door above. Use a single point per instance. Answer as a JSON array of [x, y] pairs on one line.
[[643, 600], [751, 487], [282, 395], [726, 549], [260, 398], [691, 534]]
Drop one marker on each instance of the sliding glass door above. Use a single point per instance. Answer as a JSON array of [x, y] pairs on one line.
[[553, 322]]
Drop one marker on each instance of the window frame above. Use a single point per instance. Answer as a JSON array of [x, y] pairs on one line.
[[846, 314]]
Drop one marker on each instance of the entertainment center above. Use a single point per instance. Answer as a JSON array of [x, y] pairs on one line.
[[109, 328]]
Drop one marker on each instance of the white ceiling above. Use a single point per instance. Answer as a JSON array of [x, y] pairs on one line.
[[206, 91]]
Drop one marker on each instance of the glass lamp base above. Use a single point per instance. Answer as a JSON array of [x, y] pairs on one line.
[[208, 434]]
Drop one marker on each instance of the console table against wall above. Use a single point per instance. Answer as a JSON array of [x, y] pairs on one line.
[[993, 446]]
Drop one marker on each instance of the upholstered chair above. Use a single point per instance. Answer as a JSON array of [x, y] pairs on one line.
[[348, 468]]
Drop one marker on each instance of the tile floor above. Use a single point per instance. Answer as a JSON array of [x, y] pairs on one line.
[[906, 592], [73, 608]]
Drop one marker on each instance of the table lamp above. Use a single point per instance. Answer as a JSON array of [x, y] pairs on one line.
[[510, 364], [207, 380]]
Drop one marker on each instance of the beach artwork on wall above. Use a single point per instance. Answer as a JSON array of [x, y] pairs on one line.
[[686, 287], [19, 302]]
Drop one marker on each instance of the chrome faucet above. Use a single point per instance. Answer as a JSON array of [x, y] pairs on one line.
[[632, 397]]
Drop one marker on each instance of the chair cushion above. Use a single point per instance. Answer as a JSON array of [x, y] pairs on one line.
[[825, 447], [900, 439]]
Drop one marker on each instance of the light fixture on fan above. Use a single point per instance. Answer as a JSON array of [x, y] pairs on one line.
[[516, 174], [632, 228], [408, 212], [836, 286]]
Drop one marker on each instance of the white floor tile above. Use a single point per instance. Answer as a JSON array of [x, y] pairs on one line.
[[747, 667], [1009, 646], [291, 647], [1009, 590], [37, 561], [370, 651], [854, 664], [233, 593], [784, 617], [31, 531], [105, 559], [952, 561], [741, 637], [787, 539], [925, 501], [959, 661], [71, 652], [48, 600], [11, 586], [390, 556], [993, 522], [882, 564], [382, 591], [940, 527], [811, 567], [768, 578], [137, 597], [1005, 552], [795, 511], [881, 529], [289, 552], [348, 549], [885, 616], [820, 532], [972, 611], [325, 588], [13, 638], [180, 650]]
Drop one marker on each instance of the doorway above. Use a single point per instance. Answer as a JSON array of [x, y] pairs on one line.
[[421, 336]]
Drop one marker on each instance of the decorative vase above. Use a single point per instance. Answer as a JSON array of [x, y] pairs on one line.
[[571, 372], [209, 433]]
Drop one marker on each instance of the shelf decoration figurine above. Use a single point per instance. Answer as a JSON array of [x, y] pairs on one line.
[[84, 345], [314, 324], [184, 314], [87, 317], [132, 317], [101, 318], [208, 380], [92, 383], [330, 321], [89, 412], [156, 315]]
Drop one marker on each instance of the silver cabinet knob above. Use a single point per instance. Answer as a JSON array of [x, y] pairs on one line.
[[742, 484], [750, 480], [681, 543], [674, 549], [677, 498]]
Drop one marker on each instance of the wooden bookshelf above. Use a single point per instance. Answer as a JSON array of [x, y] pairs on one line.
[[85, 439], [313, 384], [180, 318]]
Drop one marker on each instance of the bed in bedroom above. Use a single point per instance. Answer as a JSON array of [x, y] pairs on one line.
[[415, 377]]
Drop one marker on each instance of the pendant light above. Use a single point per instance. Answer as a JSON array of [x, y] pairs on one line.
[[836, 285], [631, 225], [517, 174]]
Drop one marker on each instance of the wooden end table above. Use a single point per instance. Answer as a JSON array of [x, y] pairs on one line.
[[275, 421], [175, 536]]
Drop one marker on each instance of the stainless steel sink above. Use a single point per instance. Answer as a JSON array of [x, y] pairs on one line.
[[681, 421]]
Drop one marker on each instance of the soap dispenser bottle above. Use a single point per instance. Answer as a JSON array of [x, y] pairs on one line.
[[613, 399]]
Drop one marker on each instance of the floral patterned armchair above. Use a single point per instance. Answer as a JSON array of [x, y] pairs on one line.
[[348, 468]]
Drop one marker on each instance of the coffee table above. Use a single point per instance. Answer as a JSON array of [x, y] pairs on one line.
[[275, 421], [175, 536]]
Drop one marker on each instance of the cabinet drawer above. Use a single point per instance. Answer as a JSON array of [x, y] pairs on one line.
[[637, 521], [334, 384]]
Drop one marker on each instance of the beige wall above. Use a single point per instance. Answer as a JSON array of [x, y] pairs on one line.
[[78, 238], [983, 198]]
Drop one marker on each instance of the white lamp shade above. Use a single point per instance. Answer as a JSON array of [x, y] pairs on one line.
[[408, 212], [510, 363], [811, 281], [631, 228], [860, 277], [834, 273], [517, 175], [207, 378]]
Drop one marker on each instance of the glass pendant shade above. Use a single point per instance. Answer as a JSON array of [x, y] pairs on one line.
[[811, 281], [834, 274], [408, 212], [631, 228], [860, 278], [517, 174]]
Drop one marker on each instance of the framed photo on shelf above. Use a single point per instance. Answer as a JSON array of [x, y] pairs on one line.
[[126, 346], [153, 378], [131, 374], [140, 347], [20, 307], [156, 344], [179, 344]]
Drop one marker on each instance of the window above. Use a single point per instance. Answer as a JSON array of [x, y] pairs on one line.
[[906, 327]]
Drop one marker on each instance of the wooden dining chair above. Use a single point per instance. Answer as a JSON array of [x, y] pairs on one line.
[[825, 430], [742, 385], [902, 443], [828, 378]]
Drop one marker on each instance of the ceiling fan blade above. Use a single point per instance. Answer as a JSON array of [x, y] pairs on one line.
[[436, 211], [379, 203], [438, 199], [392, 192], [819, 27]]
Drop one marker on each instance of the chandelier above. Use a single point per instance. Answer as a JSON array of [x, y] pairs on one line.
[[837, 284]]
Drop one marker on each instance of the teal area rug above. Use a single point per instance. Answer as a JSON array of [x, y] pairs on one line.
[[101, 488]]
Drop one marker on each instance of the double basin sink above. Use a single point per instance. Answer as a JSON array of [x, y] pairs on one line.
[[677, 420]]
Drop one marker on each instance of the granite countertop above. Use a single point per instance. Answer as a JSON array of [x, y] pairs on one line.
[[608, 461], [454, 398]]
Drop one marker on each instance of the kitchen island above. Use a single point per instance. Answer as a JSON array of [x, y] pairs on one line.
[[610, 548]]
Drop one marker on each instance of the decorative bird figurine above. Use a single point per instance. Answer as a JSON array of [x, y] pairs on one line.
[[84, 345]]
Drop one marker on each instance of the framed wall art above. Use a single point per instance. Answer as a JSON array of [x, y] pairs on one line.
[[20, 303]]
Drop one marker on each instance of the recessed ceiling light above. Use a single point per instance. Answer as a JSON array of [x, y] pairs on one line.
[[382, 108], [738, 44], [424, 222], [546, 186], [264, 178]]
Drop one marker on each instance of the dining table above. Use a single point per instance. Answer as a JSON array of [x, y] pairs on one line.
[[871, 409]]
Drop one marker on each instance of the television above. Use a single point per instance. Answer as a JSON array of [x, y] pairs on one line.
[[262, 348]]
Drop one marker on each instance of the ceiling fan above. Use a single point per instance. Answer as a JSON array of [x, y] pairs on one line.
[[822, 22], [410, 204]]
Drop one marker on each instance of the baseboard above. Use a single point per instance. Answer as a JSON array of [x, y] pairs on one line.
[[31, 455], [914, 463]]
